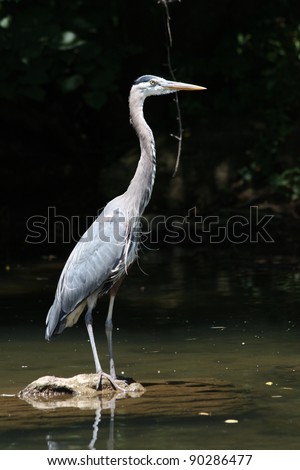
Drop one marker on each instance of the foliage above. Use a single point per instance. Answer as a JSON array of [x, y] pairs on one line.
[[61, 47], [251, 59], [288, 182], [66, 68]]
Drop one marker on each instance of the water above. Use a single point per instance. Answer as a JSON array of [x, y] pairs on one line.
[[212, 336]]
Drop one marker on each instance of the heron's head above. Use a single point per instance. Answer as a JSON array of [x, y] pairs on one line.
[[149, 85]]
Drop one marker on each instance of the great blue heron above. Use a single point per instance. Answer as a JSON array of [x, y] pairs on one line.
[[101, 258]]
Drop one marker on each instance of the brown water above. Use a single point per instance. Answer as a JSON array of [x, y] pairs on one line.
[[211, 336]]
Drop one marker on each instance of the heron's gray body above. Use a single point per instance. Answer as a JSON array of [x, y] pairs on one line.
[[100, 258], [104, 253]]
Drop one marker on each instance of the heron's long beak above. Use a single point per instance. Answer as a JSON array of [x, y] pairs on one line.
[[183, 86]]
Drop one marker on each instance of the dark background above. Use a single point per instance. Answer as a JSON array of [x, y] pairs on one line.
[[66, 71]]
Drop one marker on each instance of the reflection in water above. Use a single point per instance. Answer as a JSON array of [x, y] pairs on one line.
[[52, 445], [96, 426], [111, 437], [97, 422], [96, 429], [80, 392], [209, 398]]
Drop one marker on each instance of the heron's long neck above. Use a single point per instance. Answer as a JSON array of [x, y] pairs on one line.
[[140, 187]]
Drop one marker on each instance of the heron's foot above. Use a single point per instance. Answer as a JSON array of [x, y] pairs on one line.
[[111, 379]]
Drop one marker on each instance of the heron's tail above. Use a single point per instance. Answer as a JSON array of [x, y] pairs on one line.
[[55, 321]]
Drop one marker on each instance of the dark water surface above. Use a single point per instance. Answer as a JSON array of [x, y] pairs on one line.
[[212, 336]]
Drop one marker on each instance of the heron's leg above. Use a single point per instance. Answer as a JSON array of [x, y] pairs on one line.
[[109, 327], [108, 331], [89, 327]]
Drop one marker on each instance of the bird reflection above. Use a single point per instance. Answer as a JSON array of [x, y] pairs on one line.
[[96, 425], [53, 444]]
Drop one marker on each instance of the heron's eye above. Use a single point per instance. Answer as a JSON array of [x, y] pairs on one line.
[[152, 82]]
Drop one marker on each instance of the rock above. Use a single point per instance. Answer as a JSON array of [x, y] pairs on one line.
[[82, 385]]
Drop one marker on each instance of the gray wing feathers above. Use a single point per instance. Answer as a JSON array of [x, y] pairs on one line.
[[95, 261]]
